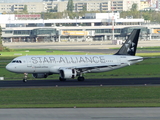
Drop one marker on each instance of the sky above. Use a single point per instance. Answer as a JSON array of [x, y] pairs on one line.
[[19, 1]]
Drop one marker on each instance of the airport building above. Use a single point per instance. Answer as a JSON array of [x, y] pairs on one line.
[[94, 27], [79, 5]]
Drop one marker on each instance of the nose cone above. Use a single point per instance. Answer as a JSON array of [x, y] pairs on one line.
[[10, 68]]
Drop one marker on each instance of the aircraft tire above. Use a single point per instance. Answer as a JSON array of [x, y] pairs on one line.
[[62, 79], [81, 78], [24, 80]]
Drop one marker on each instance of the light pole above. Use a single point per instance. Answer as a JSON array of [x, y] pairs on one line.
[[112, 22]]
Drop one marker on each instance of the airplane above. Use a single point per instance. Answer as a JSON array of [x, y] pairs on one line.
[[72, 66]]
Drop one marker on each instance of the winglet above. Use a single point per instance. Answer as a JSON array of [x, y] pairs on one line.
[[130, 45]]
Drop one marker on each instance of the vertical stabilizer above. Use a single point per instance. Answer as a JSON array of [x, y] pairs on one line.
[[130, 45]]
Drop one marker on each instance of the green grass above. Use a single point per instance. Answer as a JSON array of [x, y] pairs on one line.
[[156, 48], [147, 68], [20, 52], [105, 96], [132, 96]]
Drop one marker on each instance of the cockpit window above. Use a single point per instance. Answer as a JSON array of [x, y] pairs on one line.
[[16, 61]]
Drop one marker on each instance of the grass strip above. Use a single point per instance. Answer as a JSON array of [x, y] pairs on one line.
[[129, 96]]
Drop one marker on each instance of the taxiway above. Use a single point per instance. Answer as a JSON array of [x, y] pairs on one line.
[[87, 82]]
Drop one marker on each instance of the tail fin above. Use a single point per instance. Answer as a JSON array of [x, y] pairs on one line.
[[130, 45]]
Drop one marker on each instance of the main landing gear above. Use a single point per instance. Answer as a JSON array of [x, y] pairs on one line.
[[62, 79], [25, 77], [80, 78]]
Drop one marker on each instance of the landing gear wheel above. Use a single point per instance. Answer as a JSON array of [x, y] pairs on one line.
[[62, 79], [25, 77], [24, 80], [81, 78]]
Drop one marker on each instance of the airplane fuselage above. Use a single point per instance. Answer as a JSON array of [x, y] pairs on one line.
[[53, 63]]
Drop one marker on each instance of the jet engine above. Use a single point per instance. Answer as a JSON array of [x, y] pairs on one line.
[[40, 75], [68, 73]]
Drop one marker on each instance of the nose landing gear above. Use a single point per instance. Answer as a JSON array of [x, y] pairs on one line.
[[25, 77]]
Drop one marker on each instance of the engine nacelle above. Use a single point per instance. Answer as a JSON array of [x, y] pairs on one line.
[[68, 73], [40, 75]]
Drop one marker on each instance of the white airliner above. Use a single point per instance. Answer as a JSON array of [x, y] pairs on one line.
[[71, 66]]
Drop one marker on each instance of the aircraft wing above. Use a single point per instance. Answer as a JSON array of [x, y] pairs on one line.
[[94, 66]]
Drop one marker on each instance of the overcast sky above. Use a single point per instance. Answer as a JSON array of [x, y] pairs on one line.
[[19, 1]]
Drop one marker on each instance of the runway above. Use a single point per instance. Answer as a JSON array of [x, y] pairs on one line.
[[81, 114], [87, 82]]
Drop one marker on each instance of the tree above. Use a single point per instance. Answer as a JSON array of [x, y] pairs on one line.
[[84, 7], [25, 9], [70, 6], [134, 7], [147, 16], [1, 45]]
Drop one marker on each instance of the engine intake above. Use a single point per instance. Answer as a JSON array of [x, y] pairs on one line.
[[40, 75], [68, 73]]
